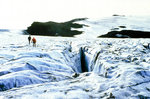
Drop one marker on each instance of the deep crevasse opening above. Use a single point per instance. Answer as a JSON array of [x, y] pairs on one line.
[[88, 60], [31, 67], [91, 62]]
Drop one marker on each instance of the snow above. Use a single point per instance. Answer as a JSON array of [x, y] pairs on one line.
[[97, 27], [116, 67]]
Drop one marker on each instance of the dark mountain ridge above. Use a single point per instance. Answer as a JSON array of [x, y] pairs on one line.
[[127, 34], [55, 29]]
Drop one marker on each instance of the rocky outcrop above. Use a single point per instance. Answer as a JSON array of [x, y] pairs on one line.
[[127, 34], [55, 29]]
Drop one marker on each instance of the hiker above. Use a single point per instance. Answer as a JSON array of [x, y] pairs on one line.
[[29, 39], [34, 42]]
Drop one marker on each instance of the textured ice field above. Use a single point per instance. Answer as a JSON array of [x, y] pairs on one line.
[[115, 68], [74, 68]]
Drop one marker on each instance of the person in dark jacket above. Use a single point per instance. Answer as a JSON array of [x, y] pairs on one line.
[[29, 39]]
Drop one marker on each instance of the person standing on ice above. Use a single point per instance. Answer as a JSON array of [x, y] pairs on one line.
[[34, 42], [29, 39]]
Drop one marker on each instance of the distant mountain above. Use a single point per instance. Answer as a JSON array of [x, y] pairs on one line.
[[55, 29], [127, 34], [116, 26]]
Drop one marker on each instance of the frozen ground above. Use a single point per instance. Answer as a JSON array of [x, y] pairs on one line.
[[73, 68], [102, 26]]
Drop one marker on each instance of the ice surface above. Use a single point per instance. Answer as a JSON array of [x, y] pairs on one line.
[[117, 68], [102, 26]]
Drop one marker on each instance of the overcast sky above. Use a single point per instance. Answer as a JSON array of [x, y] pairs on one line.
[[19, 14]]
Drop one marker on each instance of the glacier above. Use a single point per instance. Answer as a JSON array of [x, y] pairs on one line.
[[74, 68]]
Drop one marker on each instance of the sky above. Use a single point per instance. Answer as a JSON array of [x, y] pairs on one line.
[[19, 14]]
